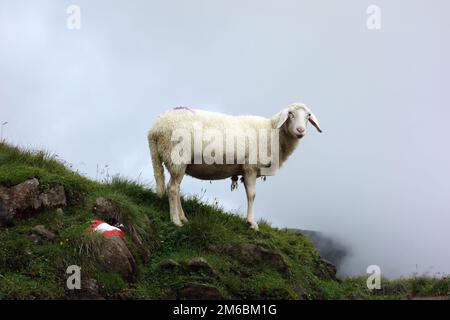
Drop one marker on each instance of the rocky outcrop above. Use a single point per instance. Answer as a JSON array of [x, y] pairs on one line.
[[3, 214], [199, 264], [169, 264], [19, 199], [199, 291], [55, 197], [107, 210], [89, 291], [194, 291], [326, 270], [251, 253], [329, 247], [41, 233], [391, 289], [25, 198]]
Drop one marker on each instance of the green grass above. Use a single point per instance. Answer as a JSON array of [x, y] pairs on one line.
[[37, 271], [110, 284]]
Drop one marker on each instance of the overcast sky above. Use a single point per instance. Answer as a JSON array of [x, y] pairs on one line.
[[378, 176]]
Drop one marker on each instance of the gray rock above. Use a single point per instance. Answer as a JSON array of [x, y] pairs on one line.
[[114, 256], [35, 238], [199, 291], [169, 264], [89, 291], [390, 289], [106, 210], [20, 199], [250, 253], [3, 214], [169, 294], [25, 198], [43, 232], [55, 197], [330, 268], [329, 247], [326, 270], [302, 295], [199, 264], [355, 296]]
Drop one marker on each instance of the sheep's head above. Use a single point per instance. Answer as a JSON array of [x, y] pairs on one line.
[[294, 120]]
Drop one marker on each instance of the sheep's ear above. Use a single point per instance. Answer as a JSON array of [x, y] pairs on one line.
[[314, 122], [282, 117]]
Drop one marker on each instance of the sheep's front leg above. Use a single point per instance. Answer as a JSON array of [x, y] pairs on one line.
[[250, 189]]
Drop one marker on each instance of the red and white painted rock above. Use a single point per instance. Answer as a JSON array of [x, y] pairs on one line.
[[105, 229]]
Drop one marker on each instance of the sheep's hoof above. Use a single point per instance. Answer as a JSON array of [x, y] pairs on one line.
[[184, 220], [253, 225], [177, 223]]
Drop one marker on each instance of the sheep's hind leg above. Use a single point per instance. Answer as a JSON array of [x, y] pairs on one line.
[[182, 216], [176, 176], [250, 189], [172, 188]]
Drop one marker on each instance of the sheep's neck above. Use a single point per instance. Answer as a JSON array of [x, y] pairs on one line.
[[287, 145], [287, 142]]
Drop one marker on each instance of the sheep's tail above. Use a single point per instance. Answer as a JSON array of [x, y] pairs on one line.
[[158, 169]]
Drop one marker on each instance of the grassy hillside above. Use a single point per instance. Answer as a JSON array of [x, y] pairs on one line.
[[238, 262]]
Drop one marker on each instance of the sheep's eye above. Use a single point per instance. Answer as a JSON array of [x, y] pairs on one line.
[[291, 115]]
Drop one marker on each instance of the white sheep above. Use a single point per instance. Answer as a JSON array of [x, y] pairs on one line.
[[289, 124]]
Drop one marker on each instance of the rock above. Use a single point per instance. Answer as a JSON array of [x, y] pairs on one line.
[[355, 296], [20, 199], [115, 256], [35, 238], [43, 233], [22, 196], [55, 197], [330, 248], [330, 268], [169, 294], [24, 199], [3, 214], [250, 253], [302, 295], [326, 270], [106, 210], [169, 264], [6, 216], [199, 264], [390, 289], [89, 291], [199, 291], [111, 213], [267, 293]]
